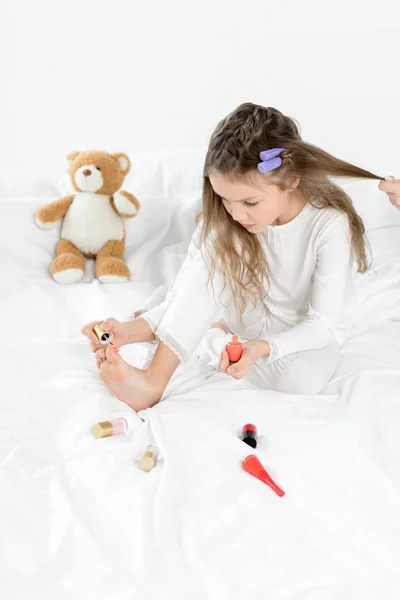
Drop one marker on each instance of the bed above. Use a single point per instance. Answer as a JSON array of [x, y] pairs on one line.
[[79, 520]]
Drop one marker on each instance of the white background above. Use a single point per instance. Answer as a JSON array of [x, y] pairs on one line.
[[78, 520], [118, 76]]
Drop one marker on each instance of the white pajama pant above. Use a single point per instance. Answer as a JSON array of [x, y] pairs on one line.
[[183, 322], [304, 372]]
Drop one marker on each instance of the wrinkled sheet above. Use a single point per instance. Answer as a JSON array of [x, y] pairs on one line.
[[79, 520]]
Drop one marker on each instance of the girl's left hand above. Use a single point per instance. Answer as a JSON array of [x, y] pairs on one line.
[[252, 351]]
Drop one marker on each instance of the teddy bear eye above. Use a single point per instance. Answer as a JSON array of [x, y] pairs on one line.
[[98, 168]]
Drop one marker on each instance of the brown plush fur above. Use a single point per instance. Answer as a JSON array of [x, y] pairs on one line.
[[131, 199], [110, 258], [53, 212], [110, 169], [68, 257]]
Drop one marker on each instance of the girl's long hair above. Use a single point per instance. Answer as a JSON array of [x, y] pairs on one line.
[[234, 150]]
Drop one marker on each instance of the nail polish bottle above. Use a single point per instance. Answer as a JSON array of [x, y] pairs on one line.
[[104, 337], [148, 460], [234, 349], [108, 428], [249, 435]]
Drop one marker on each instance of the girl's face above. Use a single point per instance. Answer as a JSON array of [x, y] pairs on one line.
[[255, 208]]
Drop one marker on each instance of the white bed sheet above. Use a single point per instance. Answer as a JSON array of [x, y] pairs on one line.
[[78, 520]]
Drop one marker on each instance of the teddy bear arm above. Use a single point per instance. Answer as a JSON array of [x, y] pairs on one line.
[[51, 213], [125, 204]]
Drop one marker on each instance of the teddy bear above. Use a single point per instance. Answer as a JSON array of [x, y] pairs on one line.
[[93, 224]]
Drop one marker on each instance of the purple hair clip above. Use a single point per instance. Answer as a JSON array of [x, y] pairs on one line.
[[270, 160]]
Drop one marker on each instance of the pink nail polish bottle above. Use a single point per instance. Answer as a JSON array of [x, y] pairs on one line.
[[108, 428]]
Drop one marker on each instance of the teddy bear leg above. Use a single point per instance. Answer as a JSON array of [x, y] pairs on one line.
[[69, 263], [110, 268]]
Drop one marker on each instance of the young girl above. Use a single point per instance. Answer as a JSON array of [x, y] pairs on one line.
[[272, 258]]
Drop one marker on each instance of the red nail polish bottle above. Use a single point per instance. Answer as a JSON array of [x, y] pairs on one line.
[[234, 349], [249, 435]]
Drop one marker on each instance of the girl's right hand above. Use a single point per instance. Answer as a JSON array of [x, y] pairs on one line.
[[391, 187], [119, 330]]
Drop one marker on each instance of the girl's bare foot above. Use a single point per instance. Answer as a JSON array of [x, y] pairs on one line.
[[130, 385], [100, 357]]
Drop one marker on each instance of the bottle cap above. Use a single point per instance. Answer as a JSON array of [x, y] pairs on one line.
[[147, 462], [104, 337], [253, 466], [104, 429]]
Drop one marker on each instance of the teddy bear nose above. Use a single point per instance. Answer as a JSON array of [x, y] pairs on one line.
[[87, 172]]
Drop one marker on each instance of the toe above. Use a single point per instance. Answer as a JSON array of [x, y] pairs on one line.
[[112, 355], [104, 371]]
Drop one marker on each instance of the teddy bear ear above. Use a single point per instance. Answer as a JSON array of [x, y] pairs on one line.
[[124, 162], [72, 156]]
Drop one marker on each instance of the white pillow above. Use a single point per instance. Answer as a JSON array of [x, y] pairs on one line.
[[17, 181]]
